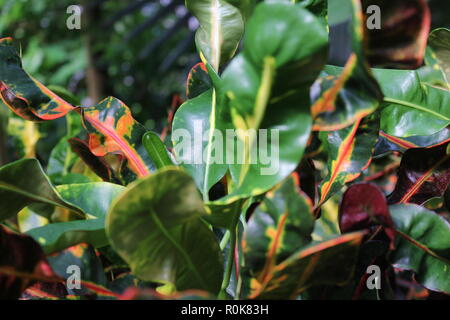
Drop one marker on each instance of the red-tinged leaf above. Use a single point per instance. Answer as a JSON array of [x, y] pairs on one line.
[[423, 174], [175, 105], [388, 143], [23, 94], [364, 205], [281, 225], [22, 261], [352, 93], [401, 40], [198, 81], [45, 290], [349, 153], [113, 130], [310, 266]]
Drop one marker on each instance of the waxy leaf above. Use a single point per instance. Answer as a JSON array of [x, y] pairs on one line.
[[112, 129], [198, 81], [156, 150], [196, 127], [155, 226], [311, 266], [23, 94], [349, 153], [399, 41], [387, 143], [265, 90], [345, 97], [364, 205], [221, 29], [280, 226], [95, 199], [17, 192], [409, 103], [422, 246], [423, 174]]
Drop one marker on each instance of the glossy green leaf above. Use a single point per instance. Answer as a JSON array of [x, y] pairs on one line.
[[265, 91], [95, 199], [221, 29], [16, 191], [193, 146], [198, 81], [156, 150], [155, 226], [409, 103], [23, 94], [422, 245]]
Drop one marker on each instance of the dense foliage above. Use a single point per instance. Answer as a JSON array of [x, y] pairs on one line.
[[363, 176]]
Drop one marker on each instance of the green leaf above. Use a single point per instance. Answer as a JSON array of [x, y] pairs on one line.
[[422, 245], [349, 152], [193, 120], [409, 103], [280, 226], [221, 29], [198, 81], [155, 226], [156, 150], [95, 199], [23, 94], [267, 87], [16, 191]]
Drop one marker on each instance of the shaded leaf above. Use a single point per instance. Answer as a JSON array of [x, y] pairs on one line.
[[155, 226], [422, 245], [16, 191], [423, 174]]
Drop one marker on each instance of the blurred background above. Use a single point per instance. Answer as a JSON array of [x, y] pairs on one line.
[[139, 51]]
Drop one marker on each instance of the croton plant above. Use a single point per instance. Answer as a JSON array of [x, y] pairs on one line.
[[362, 115]]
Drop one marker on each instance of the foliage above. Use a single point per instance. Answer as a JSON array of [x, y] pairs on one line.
[[141, 221]]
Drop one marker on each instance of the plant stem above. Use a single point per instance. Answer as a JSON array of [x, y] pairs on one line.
[[229, 268]]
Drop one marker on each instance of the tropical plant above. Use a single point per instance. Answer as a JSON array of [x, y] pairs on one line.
[[362, 179]]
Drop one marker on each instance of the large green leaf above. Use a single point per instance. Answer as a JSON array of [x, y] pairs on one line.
[[192, 144], [23, 183], [221, 29], [95, 199], [267, 87], [23, 94], [409, 104], [155, 226], [423, 245]]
